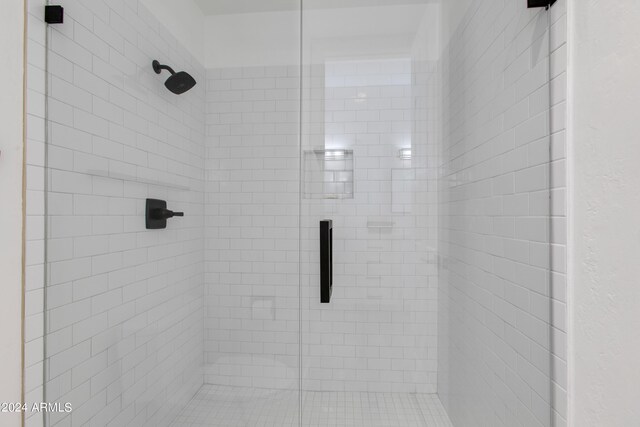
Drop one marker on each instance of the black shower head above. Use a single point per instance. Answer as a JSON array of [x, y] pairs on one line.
[[180, 82], [177, 83]]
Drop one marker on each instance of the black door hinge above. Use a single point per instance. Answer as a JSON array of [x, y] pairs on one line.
[[53, 14], [540, 3]]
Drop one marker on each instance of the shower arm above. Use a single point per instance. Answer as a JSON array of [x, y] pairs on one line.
[[157, 67]]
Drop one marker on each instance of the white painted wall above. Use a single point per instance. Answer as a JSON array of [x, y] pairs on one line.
[[252, 39], [11, 213], [265, 39], [604, 211], [184, 20], [452, 13]]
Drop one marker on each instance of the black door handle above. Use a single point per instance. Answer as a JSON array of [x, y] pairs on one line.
[[326, 260]]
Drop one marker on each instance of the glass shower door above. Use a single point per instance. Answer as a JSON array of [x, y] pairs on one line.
[[192, 320], [501, 340], [372, 233], [426, 141], [369, 165]]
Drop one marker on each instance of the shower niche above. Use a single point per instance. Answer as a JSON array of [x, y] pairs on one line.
[[328, 174]]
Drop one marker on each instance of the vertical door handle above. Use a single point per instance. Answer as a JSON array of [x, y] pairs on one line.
[[326, 260]]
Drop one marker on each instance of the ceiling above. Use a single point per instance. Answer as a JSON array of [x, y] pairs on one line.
[[223, 7]]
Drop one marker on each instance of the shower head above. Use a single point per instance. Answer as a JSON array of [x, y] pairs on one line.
[[177, 83]]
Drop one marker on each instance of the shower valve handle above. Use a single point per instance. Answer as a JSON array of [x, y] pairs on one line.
[[162, 213], [156, 214]]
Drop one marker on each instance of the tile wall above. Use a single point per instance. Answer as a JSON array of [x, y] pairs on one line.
[[385, 292], [252, 236], [502, 231], [379, 332], [124, 306]]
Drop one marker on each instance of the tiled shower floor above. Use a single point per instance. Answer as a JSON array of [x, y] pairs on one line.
[[223, 406]]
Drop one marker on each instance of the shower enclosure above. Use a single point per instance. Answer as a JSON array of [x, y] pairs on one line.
[[369, 213]]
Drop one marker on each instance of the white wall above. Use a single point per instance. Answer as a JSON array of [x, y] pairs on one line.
[[265, 39], [502, 334], [379, 332], [385, 289], [251, 255], [11, 212], [124, 304], [252, 39], [452, 13], [605, 231], [184, 20]]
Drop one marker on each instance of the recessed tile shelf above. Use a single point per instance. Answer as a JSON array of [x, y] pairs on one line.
[[131, 178], [328, 174]]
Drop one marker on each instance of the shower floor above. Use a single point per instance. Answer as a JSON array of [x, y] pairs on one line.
[[216, 405]]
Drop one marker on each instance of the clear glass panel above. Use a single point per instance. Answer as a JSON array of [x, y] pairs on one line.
[[370, 145], [495, 346], [425, 139], [421, 128], [251, 258], [198, 322]]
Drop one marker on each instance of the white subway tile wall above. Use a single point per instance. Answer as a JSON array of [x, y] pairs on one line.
[[502, 299], [379, 333], [252, 234], [124, 305], [385, 292], [127, 308]]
